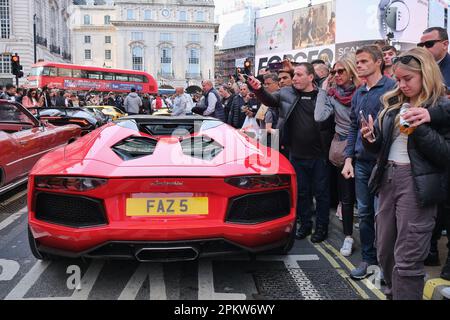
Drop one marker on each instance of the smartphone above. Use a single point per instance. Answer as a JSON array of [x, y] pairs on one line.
[[245, 76], [364, 120]]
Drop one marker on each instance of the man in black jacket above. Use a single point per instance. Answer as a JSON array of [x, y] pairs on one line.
[[435, 40], [237, 116], [227, 99], [308, 143]]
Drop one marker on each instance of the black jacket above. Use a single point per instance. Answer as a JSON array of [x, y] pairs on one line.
[[236, 117], [285, 101], [227, 104], [428, 150]]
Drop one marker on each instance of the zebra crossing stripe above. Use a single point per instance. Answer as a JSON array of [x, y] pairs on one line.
[[206, 284], [88, 280], [25, 284], [157, 284], [133, 286]]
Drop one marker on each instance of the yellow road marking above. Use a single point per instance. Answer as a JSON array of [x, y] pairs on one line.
[[350, 266], [341, 272], [431, 286]]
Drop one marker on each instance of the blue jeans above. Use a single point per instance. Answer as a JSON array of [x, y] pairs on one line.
[[313, 177], [365, 200]]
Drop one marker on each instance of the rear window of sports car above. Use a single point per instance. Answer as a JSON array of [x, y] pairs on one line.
[[167, 128]]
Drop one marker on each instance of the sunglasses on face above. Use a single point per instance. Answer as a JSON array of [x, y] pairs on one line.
[[405, 59], [428, 44], [338, 71]]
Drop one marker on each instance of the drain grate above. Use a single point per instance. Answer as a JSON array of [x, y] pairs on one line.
[[303, 284], [8, 206], [330, 284]]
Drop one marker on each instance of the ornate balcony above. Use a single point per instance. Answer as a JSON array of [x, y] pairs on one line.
[[166, 75], [193, 75]]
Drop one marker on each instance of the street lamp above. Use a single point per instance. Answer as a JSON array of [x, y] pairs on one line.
[[34, 38]]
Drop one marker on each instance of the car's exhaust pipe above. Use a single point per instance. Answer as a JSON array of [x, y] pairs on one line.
[[167, 254]]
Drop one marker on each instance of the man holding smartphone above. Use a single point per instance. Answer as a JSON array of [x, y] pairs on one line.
[[359, 163]]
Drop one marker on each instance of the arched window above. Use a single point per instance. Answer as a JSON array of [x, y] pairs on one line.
[[194, 61], [183, 16], [107, 19], [166, 61], [137, 58], [148, 15], [87, 19], [200, 16]]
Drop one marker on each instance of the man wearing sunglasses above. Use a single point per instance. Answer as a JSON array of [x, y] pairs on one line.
[[435, 40]]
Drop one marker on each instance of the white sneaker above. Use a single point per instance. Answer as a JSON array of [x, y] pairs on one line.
[[347, 247]]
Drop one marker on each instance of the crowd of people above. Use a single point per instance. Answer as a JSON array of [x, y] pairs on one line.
[[381, 117], [378, 117]]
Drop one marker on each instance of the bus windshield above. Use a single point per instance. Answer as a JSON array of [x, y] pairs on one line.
[[37, 71]]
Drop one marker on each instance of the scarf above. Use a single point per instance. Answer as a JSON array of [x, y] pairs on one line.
[[344, 96]]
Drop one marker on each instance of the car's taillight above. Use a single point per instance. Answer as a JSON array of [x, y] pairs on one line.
[[259, 182], [69, 183]]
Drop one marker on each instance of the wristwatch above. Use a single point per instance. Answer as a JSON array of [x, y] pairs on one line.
[[394, 17]]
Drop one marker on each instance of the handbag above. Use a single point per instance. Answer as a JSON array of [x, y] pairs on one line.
[[336, 154]]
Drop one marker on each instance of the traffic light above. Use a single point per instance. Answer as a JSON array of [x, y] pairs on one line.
[[248, 67], [237, 72], [16, 68]]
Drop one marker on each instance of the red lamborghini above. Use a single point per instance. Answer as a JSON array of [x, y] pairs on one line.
[[161, 189]]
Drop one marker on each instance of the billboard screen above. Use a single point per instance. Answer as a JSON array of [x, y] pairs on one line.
[[314, 26], [274, 33], [374, 19]]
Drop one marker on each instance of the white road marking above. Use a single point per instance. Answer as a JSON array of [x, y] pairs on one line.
[[9, 269], [12, 218], [206, 284], [155, 273], [290, 260], [305, 285], [134, 284], [25, 284], [157, 284], [88, 281]]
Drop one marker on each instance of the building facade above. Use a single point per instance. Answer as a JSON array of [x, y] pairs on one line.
[[236, 41], [53, 41], [173, 40]]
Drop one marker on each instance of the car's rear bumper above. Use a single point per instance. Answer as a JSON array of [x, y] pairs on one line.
[[115, 241], [167, 251]]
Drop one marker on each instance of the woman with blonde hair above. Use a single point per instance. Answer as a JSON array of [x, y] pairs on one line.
[[410, 177], [336, 101]]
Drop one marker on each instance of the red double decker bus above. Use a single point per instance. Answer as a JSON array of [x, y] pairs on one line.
[[82, 78]]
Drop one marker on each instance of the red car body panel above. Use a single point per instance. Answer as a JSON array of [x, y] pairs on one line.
[[183, 175], [25, 141]]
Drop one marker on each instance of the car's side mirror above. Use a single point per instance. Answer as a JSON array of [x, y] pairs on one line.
[[43, 123]]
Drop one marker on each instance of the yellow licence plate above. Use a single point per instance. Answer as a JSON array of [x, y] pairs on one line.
[[147, 207]]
